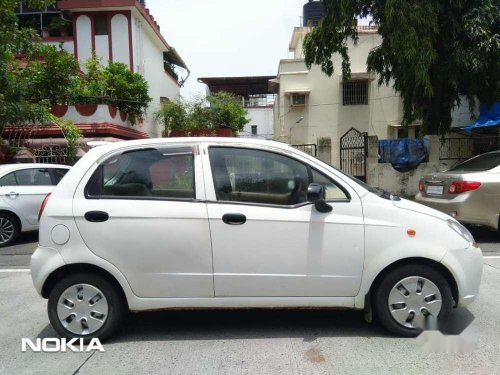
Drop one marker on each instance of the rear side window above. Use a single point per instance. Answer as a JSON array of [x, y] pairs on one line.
[[27, 177], [8, 180], [59, 173], [479, 164], [146, 174]]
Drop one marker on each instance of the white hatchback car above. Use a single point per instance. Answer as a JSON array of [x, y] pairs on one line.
[[22, 190], [233, 223]]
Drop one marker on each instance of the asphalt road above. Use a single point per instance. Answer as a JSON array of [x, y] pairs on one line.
[[252, 341]]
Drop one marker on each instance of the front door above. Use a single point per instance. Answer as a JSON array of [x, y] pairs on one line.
[[143, 211], [267, 240]]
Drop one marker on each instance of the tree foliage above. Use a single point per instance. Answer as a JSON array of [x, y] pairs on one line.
[[433, 52], [18, 103], [221, 110], [113, 84]]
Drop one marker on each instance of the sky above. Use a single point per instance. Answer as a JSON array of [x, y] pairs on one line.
[[224, 38]]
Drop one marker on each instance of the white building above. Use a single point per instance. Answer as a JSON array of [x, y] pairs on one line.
[[255, 97], [310, 105], [118, 31]]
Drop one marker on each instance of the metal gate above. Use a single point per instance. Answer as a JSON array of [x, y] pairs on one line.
[[353, 153], [309, 148]]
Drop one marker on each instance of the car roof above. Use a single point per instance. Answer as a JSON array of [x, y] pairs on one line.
[[13, 167], [183, 140]]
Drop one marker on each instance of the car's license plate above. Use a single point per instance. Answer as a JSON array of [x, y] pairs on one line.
[[435, 190]]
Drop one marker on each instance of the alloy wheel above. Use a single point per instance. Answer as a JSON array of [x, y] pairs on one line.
[[7, 230]]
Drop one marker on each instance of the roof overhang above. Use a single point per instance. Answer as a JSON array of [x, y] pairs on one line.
[[297, 92], [242, 86]]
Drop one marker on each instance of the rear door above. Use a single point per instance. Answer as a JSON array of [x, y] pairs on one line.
[[143, 210], [25, 189]]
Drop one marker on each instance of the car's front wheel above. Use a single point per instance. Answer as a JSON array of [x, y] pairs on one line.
[[412, 298], [85, 306]]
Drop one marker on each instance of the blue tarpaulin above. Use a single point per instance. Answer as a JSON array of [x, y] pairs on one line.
[[489, 116], [403, 154]]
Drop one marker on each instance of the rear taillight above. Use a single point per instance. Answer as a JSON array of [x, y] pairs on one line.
[[458, 187], [421, 186], [42, 207]]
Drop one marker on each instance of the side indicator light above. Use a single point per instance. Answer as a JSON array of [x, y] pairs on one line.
[[411, 232]]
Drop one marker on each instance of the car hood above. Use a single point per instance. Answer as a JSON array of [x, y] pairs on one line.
[[406, 204]]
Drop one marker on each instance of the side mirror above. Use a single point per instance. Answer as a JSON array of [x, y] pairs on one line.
[[316, 195]]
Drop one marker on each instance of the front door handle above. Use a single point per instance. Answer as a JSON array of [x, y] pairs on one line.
[[96, 216], [234, 219], [13, 194]]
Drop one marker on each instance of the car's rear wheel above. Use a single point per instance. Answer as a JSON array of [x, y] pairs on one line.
[[9, 229], [412, 298], [85, 306]]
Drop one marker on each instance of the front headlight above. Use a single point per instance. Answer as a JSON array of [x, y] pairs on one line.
[[461, 230]]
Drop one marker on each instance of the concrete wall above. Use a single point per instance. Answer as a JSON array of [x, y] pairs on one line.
[[148, 59], [263, 119], [404, 184]]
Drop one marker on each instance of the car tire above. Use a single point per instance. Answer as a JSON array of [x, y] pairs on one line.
[[9, 229], [390, 296], [101, 322]]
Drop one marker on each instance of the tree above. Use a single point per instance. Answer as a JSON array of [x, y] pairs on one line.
[[18, 103], [432, 51], [227, 111], [173, 115], [221, 110]]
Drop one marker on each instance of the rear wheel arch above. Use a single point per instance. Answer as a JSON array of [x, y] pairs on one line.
[[14, 216], [439, 267], [69, 269]]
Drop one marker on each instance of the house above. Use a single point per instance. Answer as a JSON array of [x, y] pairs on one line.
[[115, 30], [255, 97], [312, 108]]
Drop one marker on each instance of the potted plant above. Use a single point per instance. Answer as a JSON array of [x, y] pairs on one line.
[[45, 32], [60, 26], [223, 118]]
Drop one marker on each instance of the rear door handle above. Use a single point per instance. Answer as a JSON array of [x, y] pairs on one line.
[[96, 216], [234, 219], [13, 194]]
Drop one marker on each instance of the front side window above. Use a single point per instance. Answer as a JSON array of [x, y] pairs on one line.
[[254, 176], [33, 177], [149, 173]]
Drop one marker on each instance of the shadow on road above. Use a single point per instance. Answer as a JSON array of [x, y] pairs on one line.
[[255, 324], [484, 235]]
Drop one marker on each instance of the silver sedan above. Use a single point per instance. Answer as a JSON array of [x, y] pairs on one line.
[[470, 191]]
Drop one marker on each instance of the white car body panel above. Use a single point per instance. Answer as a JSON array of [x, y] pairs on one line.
[[25, 201], [345, 257]]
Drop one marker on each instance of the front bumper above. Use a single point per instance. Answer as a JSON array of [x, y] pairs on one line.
[[43, 262], [466, 265]]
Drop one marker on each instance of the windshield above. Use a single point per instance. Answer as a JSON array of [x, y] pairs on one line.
[[478, 164]]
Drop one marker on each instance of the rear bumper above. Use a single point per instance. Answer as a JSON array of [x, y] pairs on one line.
[[43, 262], [466, 265], [469, 210]]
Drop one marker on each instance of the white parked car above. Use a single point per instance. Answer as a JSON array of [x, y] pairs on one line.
[[233, 223], [22, 190]]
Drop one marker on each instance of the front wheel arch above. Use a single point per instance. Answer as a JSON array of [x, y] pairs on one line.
[[417, 261], [69, 269]]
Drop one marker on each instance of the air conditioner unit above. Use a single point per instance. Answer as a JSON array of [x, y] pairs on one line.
[[297, 100]]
